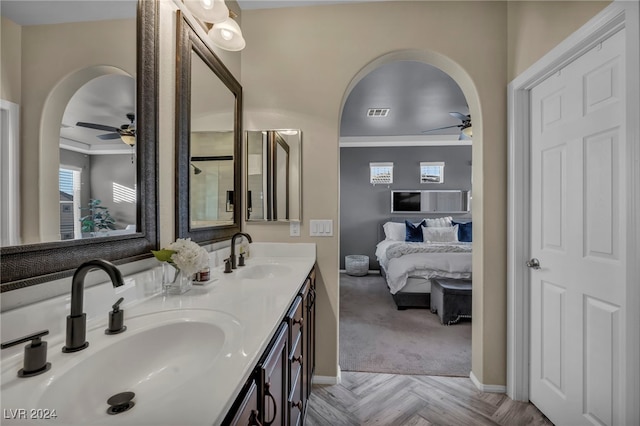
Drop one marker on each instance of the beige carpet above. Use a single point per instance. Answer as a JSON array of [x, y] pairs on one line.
[[376, 337]]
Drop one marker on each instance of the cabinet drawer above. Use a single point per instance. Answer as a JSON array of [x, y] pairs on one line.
[[295, 320], [295, 353], [296, 403]]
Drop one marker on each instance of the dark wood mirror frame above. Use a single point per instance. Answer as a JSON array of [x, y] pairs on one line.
[[188, 41], [31, 264]]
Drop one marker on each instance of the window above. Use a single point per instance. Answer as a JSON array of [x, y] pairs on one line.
[[69, 187], [432, 172], [381, 173]]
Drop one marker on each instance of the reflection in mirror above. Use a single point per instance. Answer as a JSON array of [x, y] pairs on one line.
[[97, 161], [274, 160], [211, 148], [211, 179], [58, 81], [208, 144]]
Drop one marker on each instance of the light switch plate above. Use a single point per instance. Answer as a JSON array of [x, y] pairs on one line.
[[321, 228], [294, 229]]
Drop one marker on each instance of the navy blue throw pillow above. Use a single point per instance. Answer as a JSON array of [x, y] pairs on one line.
[[414, 232], [464, 231]]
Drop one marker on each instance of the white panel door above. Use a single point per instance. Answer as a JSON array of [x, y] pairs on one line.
[[578, 208]]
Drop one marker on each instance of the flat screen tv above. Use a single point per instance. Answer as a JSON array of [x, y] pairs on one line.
[[405, 201]]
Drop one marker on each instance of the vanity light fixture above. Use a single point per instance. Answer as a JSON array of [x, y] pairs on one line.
[[218, 21]]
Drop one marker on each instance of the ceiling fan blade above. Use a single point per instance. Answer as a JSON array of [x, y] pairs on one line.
[[460, 116], [109, 136], [97, 126], [440, 128]]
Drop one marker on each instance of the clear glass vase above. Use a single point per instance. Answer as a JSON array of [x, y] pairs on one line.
[[175, 281]]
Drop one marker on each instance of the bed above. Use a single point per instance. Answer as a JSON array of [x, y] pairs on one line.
[[410, 258]]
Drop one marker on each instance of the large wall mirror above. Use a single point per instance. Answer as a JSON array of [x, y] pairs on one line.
[[208, 142], [274, 173], [85, 83]]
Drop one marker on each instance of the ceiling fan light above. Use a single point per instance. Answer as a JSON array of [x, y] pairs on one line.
[[128, 139], [227, 35], [468, 131], [213, 11]]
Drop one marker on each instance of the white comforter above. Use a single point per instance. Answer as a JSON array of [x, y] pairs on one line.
[[427, 260]]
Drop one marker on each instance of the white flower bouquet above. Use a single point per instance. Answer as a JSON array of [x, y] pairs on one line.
[[184, 255]]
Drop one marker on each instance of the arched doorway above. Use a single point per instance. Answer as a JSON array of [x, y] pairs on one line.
[[463, 80]]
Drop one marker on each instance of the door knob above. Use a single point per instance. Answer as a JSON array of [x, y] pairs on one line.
[[533, 263]]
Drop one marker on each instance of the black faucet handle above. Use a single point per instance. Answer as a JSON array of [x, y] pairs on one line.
[[116, 306], [227, 266], [116, 319], [35, 354]]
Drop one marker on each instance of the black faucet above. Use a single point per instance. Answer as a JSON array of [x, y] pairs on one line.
[[233, 247], [77, 320]]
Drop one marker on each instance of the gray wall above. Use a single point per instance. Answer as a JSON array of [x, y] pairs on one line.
[[107, 170], [364, 207]]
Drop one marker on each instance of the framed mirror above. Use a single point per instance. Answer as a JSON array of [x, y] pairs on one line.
[[274, 174], [208, 142], [38, 252]]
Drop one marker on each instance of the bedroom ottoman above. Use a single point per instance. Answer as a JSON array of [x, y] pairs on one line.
[[451, 299]]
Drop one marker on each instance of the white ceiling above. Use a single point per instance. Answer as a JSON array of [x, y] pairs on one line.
[[420, 96]]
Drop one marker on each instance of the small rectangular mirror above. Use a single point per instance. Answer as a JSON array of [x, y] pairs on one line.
[[274, 187]]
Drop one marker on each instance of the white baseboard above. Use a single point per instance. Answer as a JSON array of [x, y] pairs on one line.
[[328, 380], [487, 388]]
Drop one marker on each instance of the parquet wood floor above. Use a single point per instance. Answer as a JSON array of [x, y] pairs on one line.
[[394, 400]]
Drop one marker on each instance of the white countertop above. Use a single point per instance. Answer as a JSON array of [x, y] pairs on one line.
[[256, 308]]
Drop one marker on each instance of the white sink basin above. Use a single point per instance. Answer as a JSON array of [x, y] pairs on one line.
[[264, 271], [156, 358]]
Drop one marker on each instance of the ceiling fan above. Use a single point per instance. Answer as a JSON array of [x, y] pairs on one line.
[[126, 132], [466, 131]]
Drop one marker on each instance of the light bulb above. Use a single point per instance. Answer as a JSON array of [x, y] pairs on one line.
[[226, 34], [207, 4]]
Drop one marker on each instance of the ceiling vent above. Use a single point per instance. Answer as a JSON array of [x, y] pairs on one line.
[[377, 112]]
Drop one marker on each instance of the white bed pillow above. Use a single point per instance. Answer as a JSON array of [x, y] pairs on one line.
[[440, 222], [395, 231], [444, 234]]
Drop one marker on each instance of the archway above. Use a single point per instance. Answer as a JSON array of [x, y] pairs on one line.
[[49, 155], [464, 81]]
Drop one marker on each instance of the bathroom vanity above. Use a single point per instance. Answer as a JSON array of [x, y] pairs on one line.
[[234, 350]]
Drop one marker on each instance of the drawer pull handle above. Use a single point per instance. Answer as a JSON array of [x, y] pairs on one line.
[[298, 405], [297, 359], [298, 321], [268, 394]]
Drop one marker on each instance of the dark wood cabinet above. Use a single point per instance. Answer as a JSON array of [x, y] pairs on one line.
[[309, 348], [295, 319], [273, 380], [278, 390], [245, 412]]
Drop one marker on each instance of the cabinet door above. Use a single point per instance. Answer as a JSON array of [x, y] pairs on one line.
[[310, 311], [306, 348], [273, 372], [246, 414]]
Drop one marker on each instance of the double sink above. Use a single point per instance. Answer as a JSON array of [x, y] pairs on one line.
[[173, 364]]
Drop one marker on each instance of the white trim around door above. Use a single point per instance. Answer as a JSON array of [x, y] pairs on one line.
[[618, 15]]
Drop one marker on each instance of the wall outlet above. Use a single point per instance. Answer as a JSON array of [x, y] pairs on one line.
[[321, 228], [294, 229]]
